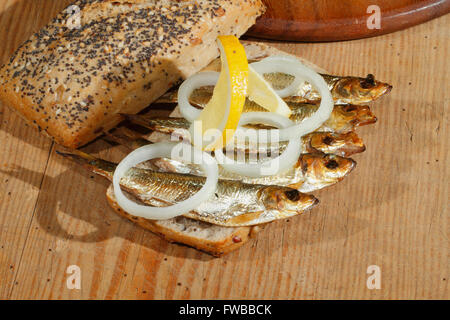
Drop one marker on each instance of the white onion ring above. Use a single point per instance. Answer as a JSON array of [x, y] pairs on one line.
[[282, 163], [198, 80], [166, 150], [283, 64]]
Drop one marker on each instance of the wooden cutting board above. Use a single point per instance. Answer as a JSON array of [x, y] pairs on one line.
[[325, 20], [392, 211]]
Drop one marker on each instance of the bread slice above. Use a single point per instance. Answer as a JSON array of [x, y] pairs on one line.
[[71, 80], [215, 240]]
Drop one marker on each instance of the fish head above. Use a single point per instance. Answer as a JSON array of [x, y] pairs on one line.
[[286, 199], [326, 167], [360, 89], [344, 144], [355, 115]]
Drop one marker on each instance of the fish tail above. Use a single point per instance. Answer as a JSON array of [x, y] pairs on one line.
[[93, 164], [127, 137], [166, 125], [139, 120]]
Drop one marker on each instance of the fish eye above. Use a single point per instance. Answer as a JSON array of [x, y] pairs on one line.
[[368, 82], [332, 164], [328, 140], [349, 108], [292, 195]]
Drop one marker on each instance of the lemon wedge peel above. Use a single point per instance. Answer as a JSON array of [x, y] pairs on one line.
[[218, 121]]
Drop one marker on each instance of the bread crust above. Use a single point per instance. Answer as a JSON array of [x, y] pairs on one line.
[[235, 239], [73, 83]]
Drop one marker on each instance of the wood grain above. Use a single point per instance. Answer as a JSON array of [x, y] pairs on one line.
[[324, 20], [392, 211]]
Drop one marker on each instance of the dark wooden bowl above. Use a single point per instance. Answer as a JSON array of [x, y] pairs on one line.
[[332, 20]]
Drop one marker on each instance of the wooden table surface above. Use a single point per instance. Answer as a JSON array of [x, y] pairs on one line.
[[392, 211]]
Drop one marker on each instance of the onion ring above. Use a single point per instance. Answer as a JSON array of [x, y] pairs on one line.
[[283, 64], [198, 80], [282, 163], [166, 150]]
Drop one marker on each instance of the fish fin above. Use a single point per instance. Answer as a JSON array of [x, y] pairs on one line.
[[127, 137], [296, 185], [245, 219]]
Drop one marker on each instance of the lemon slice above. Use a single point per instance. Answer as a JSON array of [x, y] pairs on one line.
[[260, 91], [218, 121]]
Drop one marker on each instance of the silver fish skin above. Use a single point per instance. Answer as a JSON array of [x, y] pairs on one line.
[[343, 119], [344, 90], [234, 203], [343, 143], [312, 171]]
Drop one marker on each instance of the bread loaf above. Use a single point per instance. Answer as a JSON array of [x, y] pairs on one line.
[[72, 81]]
